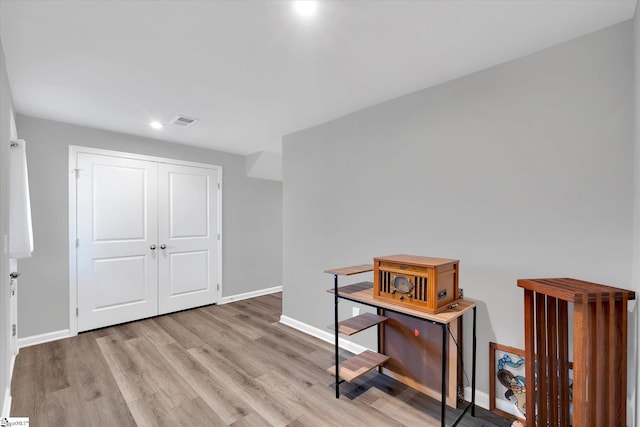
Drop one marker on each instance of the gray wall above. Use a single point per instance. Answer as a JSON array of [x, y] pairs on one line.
[[6, 106], [251, 218], [521, 170]]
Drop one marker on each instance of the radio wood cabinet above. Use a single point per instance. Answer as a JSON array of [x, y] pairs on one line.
[[422, 283], [415, 347]]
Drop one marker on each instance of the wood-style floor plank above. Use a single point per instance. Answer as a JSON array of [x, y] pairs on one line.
[[259, 399], [179, 333], [251, 420], [223, 401], [197, 413], [64, 407], [230, 365]]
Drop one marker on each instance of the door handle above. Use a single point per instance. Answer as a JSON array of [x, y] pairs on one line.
[[14, 275], [152, 247], [163, 246]]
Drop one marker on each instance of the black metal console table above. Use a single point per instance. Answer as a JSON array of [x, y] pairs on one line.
[[360, 364]]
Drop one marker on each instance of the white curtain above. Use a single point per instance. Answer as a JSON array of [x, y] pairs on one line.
[[20, 229]]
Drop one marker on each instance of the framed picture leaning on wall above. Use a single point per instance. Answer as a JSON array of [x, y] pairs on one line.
[[507, 393]]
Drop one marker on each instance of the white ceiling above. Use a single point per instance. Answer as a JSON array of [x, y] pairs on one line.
[[253, 71]]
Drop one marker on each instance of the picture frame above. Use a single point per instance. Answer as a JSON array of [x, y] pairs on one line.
[[507, 393]]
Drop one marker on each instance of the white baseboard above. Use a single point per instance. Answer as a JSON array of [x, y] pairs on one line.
[[252, 294], [482, 398], [323, 335], [6, 403], [39, 339]]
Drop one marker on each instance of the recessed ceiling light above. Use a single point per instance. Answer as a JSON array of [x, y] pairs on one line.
[[156, 125], [306, 7]]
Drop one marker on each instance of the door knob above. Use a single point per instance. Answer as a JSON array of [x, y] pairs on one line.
[[14, 275], [163, 246], [152, 247]]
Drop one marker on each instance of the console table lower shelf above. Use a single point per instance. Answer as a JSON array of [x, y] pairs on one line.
[[357, 366], [354, 367]]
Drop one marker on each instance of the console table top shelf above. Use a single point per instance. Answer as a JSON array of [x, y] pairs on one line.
[[363, 293], [348, 271]]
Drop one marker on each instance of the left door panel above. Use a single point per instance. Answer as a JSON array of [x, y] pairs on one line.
[[117, 223]]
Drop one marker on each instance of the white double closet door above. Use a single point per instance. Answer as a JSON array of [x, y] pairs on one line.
[[147, 238]]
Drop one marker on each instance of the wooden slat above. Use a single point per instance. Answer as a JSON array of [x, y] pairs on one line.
[[592, 373], [360, 323], [563, 355], [348, 271], [541, 356], [359, 365], [580, 319], [611, 368], [529, 347], [621, 363], [598, 372], [552, 340]]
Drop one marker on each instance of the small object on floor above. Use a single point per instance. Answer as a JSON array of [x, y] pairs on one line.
[[517, 423]]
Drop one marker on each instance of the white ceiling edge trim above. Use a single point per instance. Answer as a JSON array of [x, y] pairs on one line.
[[264, 165]]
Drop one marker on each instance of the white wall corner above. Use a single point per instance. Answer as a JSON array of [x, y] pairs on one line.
[[264, 165], [323, 335]]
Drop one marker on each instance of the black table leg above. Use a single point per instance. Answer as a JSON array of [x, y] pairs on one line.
[[335, 318], [443, 398], [473, 368]]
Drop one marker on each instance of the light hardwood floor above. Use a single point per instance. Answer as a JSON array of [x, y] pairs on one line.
[[228, 365]]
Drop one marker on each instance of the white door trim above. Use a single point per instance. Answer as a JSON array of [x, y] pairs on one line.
[[73, 153]]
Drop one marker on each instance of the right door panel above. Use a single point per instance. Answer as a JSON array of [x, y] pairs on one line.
[[188, 235]]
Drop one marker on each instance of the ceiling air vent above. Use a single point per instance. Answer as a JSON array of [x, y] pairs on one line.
[[183, 121]]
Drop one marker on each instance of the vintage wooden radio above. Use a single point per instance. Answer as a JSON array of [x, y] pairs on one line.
[[423, 283]]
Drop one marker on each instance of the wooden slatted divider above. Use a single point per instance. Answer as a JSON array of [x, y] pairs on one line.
[[599, 350]]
